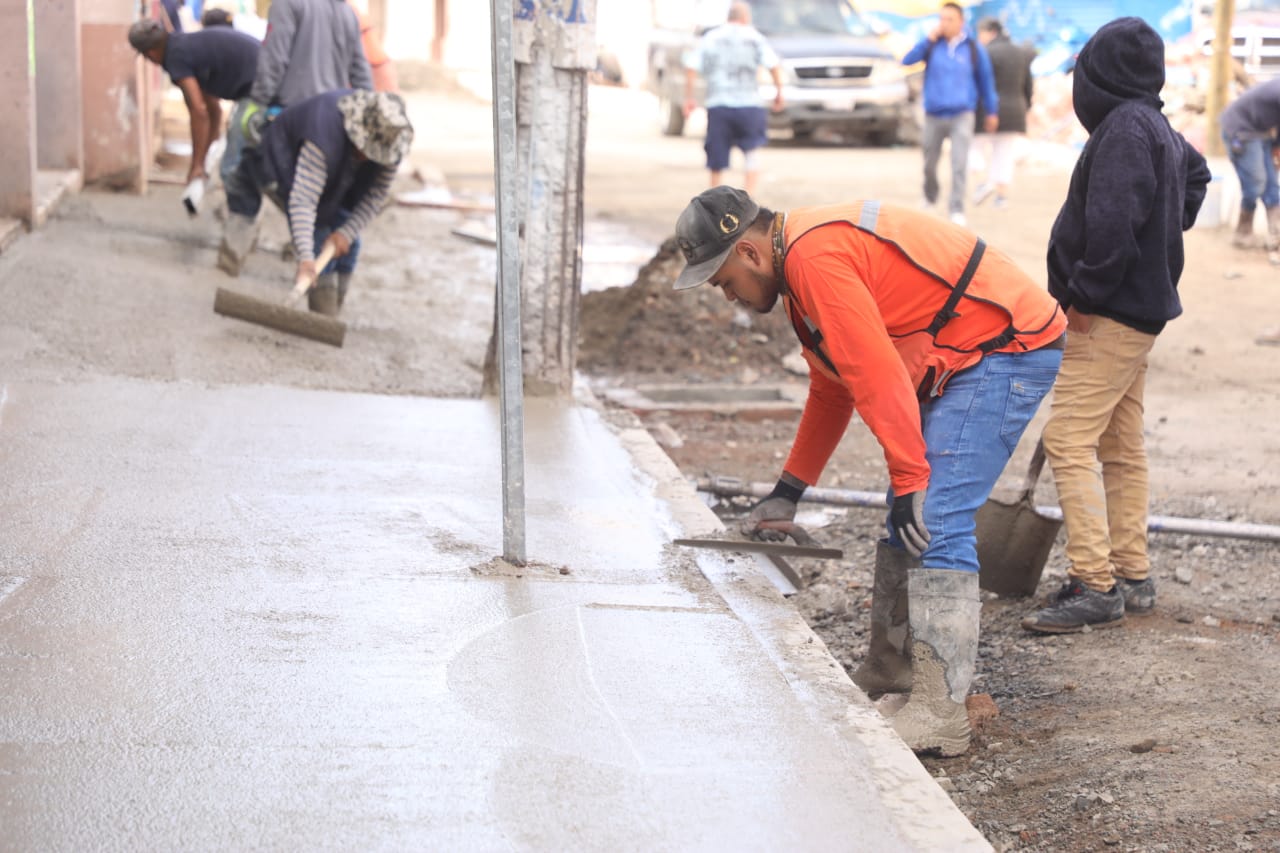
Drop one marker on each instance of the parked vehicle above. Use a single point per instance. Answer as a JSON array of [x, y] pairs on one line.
[[835, 72], [1255, 38]]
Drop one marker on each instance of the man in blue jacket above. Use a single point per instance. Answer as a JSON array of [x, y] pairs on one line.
[[957, 73], [1115, 257]]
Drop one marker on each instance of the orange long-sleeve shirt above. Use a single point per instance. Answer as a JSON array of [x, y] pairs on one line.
[[871, 294]]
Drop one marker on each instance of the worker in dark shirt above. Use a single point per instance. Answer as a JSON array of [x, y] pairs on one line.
[[328, 163], [209, 66]]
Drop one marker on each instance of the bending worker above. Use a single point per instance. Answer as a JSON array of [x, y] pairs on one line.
[[209, 66], [312, 46], [945, 349], [328, 162]]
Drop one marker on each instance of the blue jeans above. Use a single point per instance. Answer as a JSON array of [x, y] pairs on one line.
[[346, 263], [1256, 170], [969, 433], [245, 189]]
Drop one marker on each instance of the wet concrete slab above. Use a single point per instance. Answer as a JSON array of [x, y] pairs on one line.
[[258, 617]]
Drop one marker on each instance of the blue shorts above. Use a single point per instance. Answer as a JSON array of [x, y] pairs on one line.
[[744, 127]]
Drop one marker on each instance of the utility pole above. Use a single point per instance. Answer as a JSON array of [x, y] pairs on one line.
[[1219, 73], [554, 51]]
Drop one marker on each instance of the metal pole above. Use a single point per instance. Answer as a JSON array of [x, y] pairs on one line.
[[732, 486], [510, 367], [1220, 73]]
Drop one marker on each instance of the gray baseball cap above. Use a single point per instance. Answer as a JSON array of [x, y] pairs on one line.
[[713, 222]]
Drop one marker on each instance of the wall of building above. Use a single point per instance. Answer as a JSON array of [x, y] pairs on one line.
[[113, 90]]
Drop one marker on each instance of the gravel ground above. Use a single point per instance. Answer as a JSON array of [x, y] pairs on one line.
[[1158, 735]]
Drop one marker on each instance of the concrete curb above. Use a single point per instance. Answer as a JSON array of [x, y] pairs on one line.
[[921, 811]]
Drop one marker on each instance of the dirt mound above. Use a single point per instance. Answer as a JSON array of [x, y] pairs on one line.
[[649, 332]]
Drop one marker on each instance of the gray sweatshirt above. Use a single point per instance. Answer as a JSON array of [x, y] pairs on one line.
[[312, 46], [1255, 114]]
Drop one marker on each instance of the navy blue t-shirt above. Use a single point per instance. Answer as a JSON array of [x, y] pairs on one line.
[[223, 61]]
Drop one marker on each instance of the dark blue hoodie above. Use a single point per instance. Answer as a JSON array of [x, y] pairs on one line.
[[1116, 247]]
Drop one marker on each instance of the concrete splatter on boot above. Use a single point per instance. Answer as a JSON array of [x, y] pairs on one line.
[[1273, 234], [887, 667], [1242, 237], [322, 298], [944, 651], [239, 235], [344, 281]]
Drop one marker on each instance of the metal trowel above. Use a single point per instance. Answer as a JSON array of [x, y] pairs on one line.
[[804, 547]]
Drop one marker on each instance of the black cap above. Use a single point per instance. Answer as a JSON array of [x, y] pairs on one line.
[[707, 230]]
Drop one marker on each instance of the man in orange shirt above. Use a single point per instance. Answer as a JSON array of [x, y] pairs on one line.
[[384, 73], [894, 308]]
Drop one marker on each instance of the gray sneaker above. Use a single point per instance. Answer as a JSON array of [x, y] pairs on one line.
[[1139, 596], [1076, 605]]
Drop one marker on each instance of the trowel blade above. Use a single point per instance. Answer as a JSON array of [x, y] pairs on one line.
[[775, 548]]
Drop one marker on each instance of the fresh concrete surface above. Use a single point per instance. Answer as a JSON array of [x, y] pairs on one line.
[[270, 618]]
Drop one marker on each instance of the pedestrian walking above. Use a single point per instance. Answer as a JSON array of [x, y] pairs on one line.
[[957, 77], [1249, 127], [328, 163], [944, 348], [208, 66], [1011, 67], [728, 58], [312, 46], [1115, 257]]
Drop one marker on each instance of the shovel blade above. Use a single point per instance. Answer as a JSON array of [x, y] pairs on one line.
[[1014, 542]]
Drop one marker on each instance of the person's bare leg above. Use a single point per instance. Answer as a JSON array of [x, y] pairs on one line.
[[752, 179], [717, 177]]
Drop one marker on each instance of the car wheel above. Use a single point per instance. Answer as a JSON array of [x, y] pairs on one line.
[[671, 116], [883, 138]]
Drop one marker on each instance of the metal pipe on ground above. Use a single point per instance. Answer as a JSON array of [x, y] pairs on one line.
[[734, 487]]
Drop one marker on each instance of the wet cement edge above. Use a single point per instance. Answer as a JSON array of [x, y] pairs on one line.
[[921, 811]]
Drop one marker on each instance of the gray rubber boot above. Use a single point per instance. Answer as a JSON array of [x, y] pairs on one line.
[[944, 652], [1242, 237], [887, 667], [239, 235], [344, 281], [1273, 228], [322, 298]]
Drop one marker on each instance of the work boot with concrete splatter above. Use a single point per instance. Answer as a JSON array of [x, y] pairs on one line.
[[344, 282], [239, 235], [322, 298], [944, 616], [887, 666]]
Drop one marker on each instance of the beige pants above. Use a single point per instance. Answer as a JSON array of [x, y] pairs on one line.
[[1094, 443]]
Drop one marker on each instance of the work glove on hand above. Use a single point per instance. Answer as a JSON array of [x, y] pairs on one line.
[[906, 517], [252, 122], [778, 505]]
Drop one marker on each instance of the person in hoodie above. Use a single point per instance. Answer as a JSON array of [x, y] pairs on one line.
[[312, 47], [1115, 256], [957, 73]]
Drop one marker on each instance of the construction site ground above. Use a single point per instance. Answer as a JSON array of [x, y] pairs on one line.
[[1157, 736]]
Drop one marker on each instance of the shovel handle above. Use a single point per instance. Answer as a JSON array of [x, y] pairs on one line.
[[1033, 470], [302, 285], [790, 528]]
